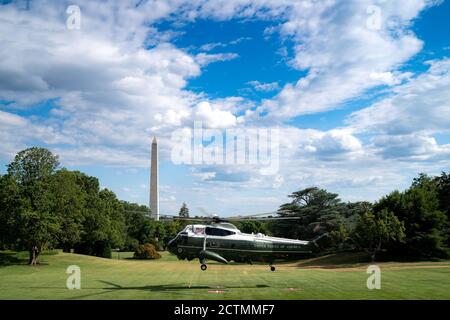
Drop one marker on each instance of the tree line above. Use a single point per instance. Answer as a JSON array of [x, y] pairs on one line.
[[45, 206], [413, 224]]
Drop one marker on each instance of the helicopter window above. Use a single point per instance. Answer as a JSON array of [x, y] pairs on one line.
[[199, 230], [218, 232]]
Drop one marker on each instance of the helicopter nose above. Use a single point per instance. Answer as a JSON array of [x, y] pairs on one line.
[[171, 245]]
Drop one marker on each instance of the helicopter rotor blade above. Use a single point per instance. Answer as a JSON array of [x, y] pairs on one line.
[[262, 219], [201, 219], [267, 216], [208, 214], [263, 214]]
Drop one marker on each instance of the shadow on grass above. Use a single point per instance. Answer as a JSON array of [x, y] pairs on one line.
[[160, 288], [172, 289], [10, 259], [13, 258]]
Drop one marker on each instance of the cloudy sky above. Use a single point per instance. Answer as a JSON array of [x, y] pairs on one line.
[[358, 89]]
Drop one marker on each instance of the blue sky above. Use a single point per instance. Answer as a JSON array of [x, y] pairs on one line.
[[359, 91]]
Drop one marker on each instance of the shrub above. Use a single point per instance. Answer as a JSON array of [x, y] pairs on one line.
[[146, 251]]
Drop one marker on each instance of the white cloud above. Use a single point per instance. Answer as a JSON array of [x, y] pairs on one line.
[[413, 147], [403, 124], [109, 89], [420, 105], [213, 117], [332, 144], [390, 78], [11, 120], [203, 59], [259, 86], [342, 56], [211, 46], [113, 92], [278, 181]]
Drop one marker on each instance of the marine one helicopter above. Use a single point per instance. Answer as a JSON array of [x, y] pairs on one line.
[[219, 240]]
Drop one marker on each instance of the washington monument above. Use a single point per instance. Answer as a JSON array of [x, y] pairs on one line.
[[154, 192]]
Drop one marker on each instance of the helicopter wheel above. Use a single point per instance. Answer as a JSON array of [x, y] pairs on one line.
[[203, 267], [272, 268]]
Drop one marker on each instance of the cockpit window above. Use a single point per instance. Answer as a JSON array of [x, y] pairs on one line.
[[198, 230], [218, 232]]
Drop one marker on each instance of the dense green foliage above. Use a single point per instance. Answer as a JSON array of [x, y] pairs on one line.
[[254, 227], [320, 213], [426, 226], [413, 224], [374, 230], [42, 207]]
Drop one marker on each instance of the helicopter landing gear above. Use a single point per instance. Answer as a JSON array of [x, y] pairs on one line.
[[203, 267], [272, 268]]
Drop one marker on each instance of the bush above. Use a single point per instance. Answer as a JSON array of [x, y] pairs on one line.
[[146, 251]]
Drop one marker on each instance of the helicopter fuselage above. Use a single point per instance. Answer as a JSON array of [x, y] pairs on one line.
[[225, 243]]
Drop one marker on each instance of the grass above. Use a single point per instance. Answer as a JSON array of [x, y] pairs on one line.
[[122, 255], [330, 277]]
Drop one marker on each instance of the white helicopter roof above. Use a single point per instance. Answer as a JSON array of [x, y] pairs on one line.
[[221, 225], [226, 225]]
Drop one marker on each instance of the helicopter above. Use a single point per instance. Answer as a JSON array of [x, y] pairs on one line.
[[220, 240]]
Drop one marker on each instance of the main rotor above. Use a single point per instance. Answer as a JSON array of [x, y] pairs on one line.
[[215, 219], [210, 218]]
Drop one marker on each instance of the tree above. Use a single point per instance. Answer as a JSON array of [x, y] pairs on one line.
[[319, 212], [114, 210], [38, 231], [172, 228], [339, 237], [37, 227], [136, 224], [157, 232], [10, 209], [32, 165], [184, 211], [68, 202], [425, 224], [374, 231], [443, 191], [443, 183], [103, 225], [254, 227]]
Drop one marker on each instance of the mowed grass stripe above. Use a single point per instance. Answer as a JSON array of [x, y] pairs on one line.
[[169, 278]]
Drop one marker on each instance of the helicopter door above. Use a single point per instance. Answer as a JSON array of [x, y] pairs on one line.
[[213, 244]]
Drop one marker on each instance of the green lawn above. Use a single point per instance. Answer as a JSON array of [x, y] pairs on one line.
[[168, 278]]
